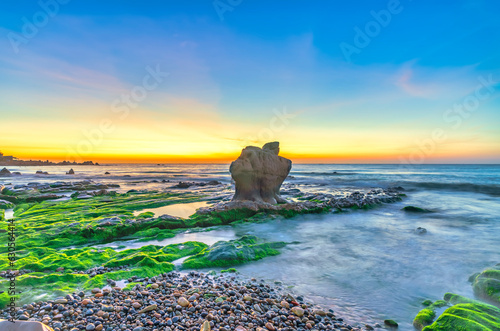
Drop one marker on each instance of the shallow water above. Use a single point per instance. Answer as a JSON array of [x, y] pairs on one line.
[[366, 265], [183, 210], [207, 237]]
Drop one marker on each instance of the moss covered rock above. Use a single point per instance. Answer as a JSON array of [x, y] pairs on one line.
[[413, 209], [468, 317], [234, 252], [487, 285]]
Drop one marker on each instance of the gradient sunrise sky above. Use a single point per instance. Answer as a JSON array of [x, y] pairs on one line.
[[191, 81]]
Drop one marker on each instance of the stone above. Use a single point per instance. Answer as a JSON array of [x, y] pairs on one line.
[[205, 326], [298, 311], [391, 323], [23, 326], [270, 326], [258, 174], [183, 302], [148, 308], [5, 172], [420, 230], [319, 312], [70, 172]]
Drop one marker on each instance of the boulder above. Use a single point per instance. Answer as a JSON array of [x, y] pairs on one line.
[[23, 326], [70, 172], [487, 284], [5, 172], [259, 172]]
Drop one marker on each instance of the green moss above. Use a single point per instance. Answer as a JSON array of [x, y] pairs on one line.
[[427, 303], [6, 299], [7, 205], [148, 214], [130, 286], [468, 317], [487, 285], [424, 318], [230, 270], [147, 261], [234, 252], [59, 224], [439, 304]]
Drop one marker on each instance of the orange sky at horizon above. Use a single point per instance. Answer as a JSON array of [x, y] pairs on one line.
[[414, 156]]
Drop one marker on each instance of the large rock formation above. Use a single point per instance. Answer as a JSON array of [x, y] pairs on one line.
[[259, 173]]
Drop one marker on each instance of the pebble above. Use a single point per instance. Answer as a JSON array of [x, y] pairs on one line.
[[220, 302]]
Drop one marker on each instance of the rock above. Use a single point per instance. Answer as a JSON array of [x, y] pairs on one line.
[[205, 326], [183, 302], [23, 326], [148, 308], [5, 172], [183, 185], [486, 285], [420, 230], [107, 173], [319, 312], [424, 318], [468, 316], [96, 290], [298, 311], [413, 209], [70, 172], [108, 221], [259, 172], [90, 327], [391, 323], [86, 302], [270, 326], [39, 172]]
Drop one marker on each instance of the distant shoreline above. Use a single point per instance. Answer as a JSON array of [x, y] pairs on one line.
[[40, 163]]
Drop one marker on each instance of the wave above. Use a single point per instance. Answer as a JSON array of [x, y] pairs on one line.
[[493, 190], [334, 173]]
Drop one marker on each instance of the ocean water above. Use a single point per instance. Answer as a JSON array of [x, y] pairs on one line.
[[365, 265]]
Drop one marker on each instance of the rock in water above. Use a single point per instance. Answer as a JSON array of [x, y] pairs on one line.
[[5, 172], [23, 326], [70, 172], [259, 173]]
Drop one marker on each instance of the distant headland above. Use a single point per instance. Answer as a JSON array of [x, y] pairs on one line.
[[14, 161]]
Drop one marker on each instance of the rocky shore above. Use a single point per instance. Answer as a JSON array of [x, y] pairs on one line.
[[175, 301]]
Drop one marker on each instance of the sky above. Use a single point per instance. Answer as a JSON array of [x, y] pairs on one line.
[[196, 81]]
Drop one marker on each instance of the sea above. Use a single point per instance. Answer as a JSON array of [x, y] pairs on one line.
[[365, 265]]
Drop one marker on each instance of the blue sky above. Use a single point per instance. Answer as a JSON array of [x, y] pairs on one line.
[[227, 76]]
